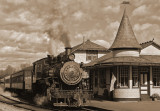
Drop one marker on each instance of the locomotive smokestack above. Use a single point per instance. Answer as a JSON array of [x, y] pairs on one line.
[[68, 50]]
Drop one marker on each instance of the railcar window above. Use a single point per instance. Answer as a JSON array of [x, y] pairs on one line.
[[20, 79]]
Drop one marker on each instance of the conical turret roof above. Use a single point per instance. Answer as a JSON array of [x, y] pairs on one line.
[[125, 37]]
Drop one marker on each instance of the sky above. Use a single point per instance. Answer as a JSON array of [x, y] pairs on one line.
[[31, 29]]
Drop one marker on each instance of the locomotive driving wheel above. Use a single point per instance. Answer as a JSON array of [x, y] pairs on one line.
[[71, 73]]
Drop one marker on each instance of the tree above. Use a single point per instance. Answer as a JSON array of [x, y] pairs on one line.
[[22, 66], [9, 70]]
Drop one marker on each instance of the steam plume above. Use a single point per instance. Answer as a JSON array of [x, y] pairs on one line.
[[40, 100], [57, 35]]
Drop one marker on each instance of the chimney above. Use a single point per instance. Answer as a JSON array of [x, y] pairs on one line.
[[68, 50], [83, 39]]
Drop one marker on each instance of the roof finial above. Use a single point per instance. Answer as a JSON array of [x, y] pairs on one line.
[[125, 3], [152, 39]]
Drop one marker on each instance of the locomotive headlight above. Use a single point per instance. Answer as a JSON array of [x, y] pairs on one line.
[[71, 56]]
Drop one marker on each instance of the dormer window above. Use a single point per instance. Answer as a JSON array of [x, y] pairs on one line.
[[91, 55]]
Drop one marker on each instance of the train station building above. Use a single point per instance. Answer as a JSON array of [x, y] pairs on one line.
[[87, 51], [129, 70]]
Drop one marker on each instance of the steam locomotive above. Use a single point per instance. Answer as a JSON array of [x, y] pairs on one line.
[[59, 78]]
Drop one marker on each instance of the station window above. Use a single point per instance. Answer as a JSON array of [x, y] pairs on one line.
[[156, 76], [123, 76], [135, 76], [91, 55]]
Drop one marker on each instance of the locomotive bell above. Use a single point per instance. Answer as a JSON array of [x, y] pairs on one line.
[[71, 57]]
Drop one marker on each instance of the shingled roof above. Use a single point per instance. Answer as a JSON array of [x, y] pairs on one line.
[[88, 45], [127, 59], [148, 43], [125, 37], [108, 59]]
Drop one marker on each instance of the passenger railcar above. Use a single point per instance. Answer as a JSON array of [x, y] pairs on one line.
[[20, 81], [23, 79]]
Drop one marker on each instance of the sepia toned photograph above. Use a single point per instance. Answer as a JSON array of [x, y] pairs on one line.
[[79, 55]]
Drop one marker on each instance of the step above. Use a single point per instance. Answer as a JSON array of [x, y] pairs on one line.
[[144, 92], [145, 97], [144, 88]]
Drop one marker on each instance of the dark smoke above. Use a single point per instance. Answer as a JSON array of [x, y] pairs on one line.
[[65, 39]]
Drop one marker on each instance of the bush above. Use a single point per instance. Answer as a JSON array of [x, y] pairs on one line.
[[155, 95]]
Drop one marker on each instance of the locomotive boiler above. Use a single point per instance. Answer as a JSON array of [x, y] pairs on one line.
[[61, 79]]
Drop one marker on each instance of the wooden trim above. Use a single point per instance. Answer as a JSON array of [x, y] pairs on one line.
[[122, 88], [98, 80], [117, 75], [156, 87], [151, 77], [130, 63], [144, 85], [93, 79], [126, 99], [144, 90], [135, 87], [150, 80]]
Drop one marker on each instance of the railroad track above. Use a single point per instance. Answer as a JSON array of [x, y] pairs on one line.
[[34, 107], [23, 105]]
